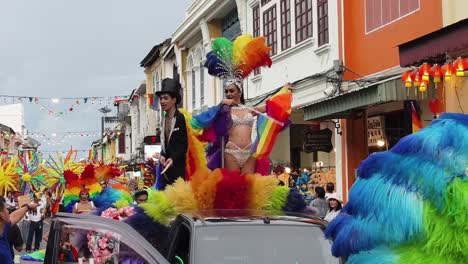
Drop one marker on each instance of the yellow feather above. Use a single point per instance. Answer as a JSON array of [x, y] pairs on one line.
[[8, 175], [260, 189], [238, 48], [181, 196], [204, 184]]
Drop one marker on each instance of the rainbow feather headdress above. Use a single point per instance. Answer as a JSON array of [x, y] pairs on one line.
[[235, 61], [410, 204]]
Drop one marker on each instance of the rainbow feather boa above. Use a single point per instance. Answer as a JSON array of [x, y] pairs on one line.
[[410, 204], [222, 192]]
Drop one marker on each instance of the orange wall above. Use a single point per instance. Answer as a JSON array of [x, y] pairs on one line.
[[378, 50], [357, 146]]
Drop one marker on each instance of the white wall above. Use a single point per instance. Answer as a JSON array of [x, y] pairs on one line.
[[300, 60], [12, 115]]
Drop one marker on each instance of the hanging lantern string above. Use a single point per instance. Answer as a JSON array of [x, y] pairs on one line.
[[68, 98]]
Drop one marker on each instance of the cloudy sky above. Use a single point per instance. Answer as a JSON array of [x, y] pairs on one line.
[[86, 48]]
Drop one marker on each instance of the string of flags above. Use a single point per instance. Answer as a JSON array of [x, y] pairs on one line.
[[70, 134], [85, 100], [59, 138], [47, 104]]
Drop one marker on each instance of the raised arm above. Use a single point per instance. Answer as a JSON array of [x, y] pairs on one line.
[[17, 215]]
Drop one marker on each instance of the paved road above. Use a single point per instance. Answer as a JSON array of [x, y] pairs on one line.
[[24, 231]]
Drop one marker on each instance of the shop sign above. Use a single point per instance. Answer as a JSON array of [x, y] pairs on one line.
[[319, 140], [150, 150], [374, 130]]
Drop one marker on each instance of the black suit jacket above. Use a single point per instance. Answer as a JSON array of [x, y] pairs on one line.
[[175, 148]]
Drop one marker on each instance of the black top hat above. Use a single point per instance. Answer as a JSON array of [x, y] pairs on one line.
[[172, 87]]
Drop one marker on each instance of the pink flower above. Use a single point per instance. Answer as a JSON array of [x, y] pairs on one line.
[[111, 213], [126, 211]]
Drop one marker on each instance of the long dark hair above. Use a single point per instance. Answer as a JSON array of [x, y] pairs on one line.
[[12, 199], [338, 206]]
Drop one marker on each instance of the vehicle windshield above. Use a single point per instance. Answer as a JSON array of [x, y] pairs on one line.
[[275, 244]]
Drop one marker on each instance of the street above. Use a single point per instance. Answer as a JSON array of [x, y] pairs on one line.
[[23, 225]]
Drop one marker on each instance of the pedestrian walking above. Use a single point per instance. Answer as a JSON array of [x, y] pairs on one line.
[[36, 222]]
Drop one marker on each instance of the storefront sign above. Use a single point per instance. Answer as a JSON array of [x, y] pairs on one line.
[[150, 150], [319, 140], [374, 130]]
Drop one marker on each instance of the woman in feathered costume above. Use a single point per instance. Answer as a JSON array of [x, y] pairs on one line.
[[232, 123], [410, 204]]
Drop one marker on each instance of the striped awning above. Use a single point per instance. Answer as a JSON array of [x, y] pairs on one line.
[[342, 106]]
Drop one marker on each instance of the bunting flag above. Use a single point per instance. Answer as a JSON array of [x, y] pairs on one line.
[[270, 124], [155, 104], [150, 100], [416, 122]]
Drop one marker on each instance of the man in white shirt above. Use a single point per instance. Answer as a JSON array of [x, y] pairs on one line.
[[36, 218]]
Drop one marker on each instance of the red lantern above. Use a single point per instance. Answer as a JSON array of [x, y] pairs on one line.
[[460, 65], [406, 77], [423, 86], [416, 78], [447, 71], [435, 72], [424, 71]]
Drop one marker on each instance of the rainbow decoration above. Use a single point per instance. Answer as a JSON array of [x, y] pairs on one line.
[[410, 204], [415, 121], [235, 61], [154, 100], [75, 183], [54, 174], [268, 127], [195, 157], [8, 175], [36, 256], [105, 172], [92, 155], [219, 192], [30, 173]]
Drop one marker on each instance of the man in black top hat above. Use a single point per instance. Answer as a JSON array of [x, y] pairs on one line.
[[173, 134]]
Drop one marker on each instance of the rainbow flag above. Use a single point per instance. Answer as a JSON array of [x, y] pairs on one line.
[[270, 124], [267, 132], [416, 122], [153, 102]]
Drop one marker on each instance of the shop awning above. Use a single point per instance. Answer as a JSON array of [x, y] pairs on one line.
[[342, 106], [432, 47]]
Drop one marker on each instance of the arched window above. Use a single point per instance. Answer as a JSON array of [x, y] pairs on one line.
[[156, 81], [191, 74], [202, 79]]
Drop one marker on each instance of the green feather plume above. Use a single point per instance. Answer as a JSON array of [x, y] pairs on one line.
[[161, 209], [277, 200]]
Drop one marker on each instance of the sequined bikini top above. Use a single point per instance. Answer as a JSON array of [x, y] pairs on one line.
[[247, 120]]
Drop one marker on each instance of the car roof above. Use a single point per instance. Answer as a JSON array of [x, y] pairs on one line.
[[289, 219]]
